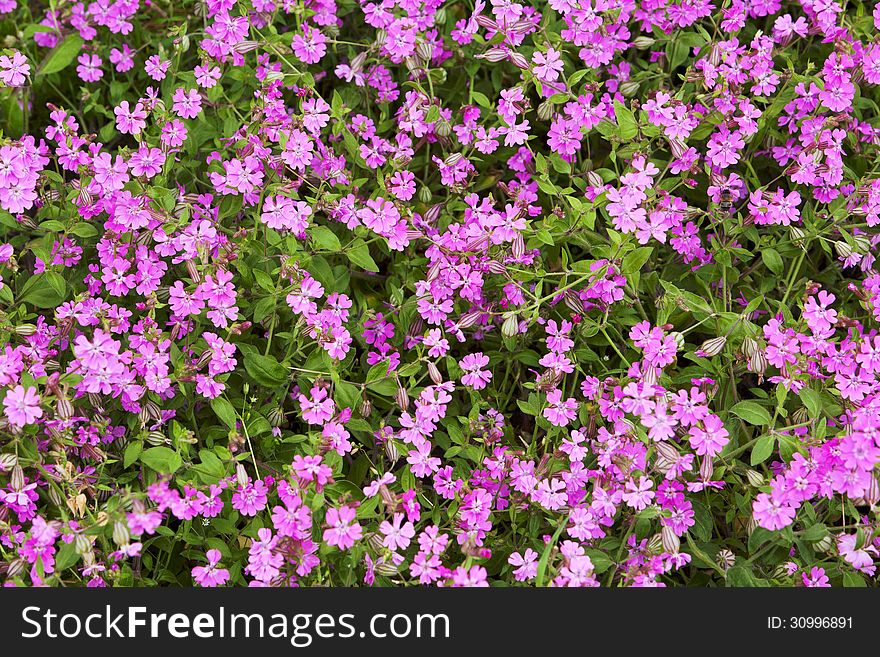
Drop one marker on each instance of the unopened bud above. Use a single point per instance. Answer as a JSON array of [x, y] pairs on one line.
[[434, 373], [510, 327], [424, 194], [442, 128], [671, 541], [63, 409], [707, 468], [82, 543], [121, 535], [755, 478], [712, 347], [276, 417], [546, 110], [655, 544], [642, 42], [825, 544], [25, 330], [749, 347], [401, 397], [519, 60], [594, 179], [16, 479], [629, 88], [493, 55], [156, 438], [391, 451], [425, 51], [241, 475], [366, 407]]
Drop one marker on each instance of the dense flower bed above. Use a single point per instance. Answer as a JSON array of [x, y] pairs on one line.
[[458, 294]]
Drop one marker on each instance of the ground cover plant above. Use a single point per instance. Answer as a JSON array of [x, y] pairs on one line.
[[412, 292]]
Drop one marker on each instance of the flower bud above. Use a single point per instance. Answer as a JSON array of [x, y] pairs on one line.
[[519, 60], [401, 397], [434, 373], [276, 417], [725, 559], [844, 250], [366, 407], [655, 544], [424, 194], [518, 247], [121, 535], [82, 543], [510, 327], [679, 340], [758, 363], [642, 42], [749, 347], [629, 88], [7, 461], [63, 408], [755, 478], [241, 475], [16, 479], [157, 438], [545, 110], [442, 128], [872, 495], [25, 330], [495, 267], [386, 568], [391, 451], [671, 541], [825, 544], [55, 496], [374, 540], [16, 568], [493, 55], [712, 347], [707, 468], [425, 51], [594, 179]]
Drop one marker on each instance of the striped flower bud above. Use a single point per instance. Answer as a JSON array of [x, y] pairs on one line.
[[712, 347], [25, 330], [707, 468], [241, 475], [434, 373], [121, 535], [510, 327], [401, 397], [755, 478], [671, 541]]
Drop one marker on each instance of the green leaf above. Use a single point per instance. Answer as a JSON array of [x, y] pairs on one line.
[[325, 238], [265, 370], [763, 449], [61, 56], [359, 254], [162, 459], [740, 576], [772, 260], [634, 261], [225, 411], [45, 290], [545, 555], [751, 412], [132, 452], [812, 401], [626, 121]]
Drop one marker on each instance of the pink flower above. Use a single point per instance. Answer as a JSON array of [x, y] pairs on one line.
[[558, 412], [211, 575], [14, 70], [475, 376], [397, 535], [343, 529], [22, 406]]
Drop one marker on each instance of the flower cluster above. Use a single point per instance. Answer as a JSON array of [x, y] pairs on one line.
[[564, 294]]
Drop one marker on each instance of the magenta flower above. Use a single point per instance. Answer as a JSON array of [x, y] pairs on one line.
[[211, 575], [342, 527], [22, 406]]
